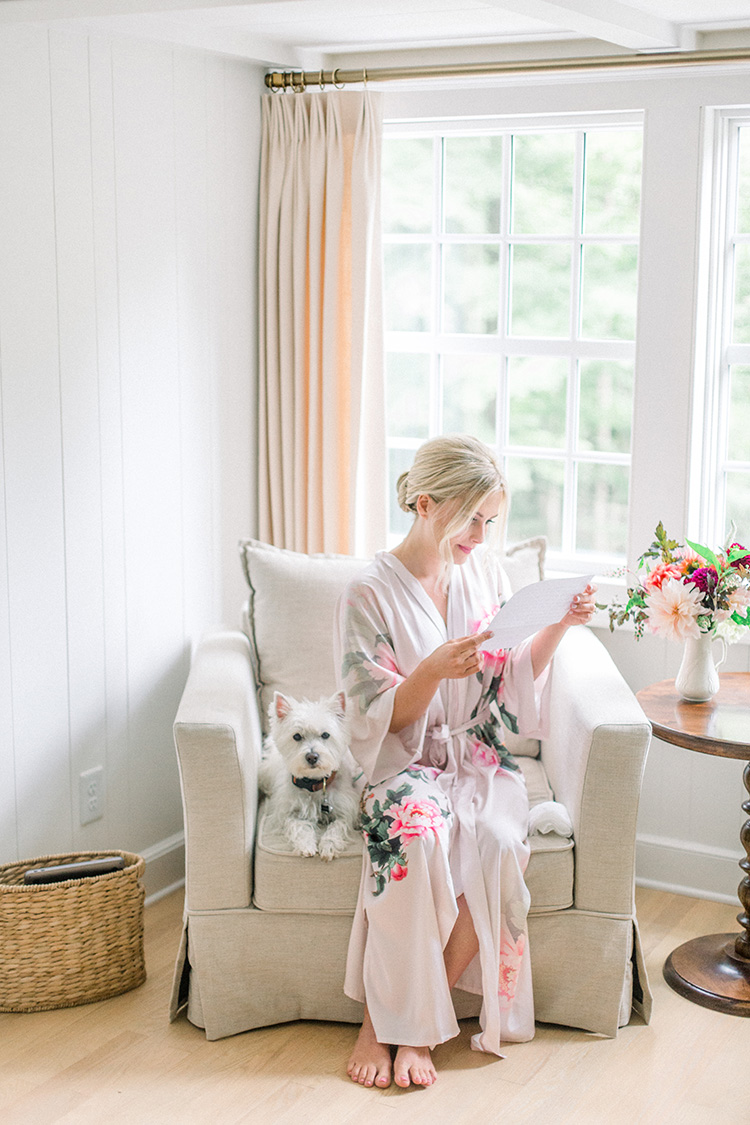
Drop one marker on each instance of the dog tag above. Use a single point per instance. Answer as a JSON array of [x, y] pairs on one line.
[[326, 809]]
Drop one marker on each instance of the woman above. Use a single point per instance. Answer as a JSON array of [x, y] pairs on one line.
[[445, 812]]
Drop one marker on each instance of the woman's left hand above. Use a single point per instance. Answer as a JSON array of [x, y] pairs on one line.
[[582, 608]]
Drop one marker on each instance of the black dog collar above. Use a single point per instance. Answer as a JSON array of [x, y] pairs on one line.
[[313, 784]]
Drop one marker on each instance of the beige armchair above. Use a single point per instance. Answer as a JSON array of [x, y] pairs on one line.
[[253, 910]]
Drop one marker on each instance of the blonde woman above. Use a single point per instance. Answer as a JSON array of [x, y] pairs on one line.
[[445, 813]]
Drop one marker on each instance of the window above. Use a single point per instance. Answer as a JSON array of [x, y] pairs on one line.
[[511, 268], [726, 491]]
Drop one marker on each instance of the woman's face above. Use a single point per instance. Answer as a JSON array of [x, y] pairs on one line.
[[475, 531]]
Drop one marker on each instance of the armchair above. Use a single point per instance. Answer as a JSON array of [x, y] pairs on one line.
[[250, 905]]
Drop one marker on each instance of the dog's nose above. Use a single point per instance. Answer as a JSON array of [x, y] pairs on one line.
[[312, 757]]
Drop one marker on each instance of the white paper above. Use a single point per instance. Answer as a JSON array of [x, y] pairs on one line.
[[533, 607]]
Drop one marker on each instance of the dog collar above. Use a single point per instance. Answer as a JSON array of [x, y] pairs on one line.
[[313, 784]]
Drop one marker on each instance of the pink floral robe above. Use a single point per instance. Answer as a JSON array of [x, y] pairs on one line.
[[445, 809]]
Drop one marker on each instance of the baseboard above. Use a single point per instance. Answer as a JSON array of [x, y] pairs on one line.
[[165, 867], [685, 868]]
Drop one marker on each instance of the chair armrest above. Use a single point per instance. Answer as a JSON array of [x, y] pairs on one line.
[[594, 758], [218, 741]]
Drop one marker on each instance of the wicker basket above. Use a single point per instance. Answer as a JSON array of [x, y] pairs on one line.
[[73, 942]]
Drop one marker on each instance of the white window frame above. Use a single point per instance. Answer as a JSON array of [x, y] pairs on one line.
[[713, 376], [435, 343]]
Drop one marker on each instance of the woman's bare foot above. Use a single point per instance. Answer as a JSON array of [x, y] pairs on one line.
[[370, 1061], [414, 1064]]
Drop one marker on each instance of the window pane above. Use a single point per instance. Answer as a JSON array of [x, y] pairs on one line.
[[540, 291], [407, 185], [399, 461], [471, 283], [473, 178], [738, 504], [602, 508], [536, 491], [408, 394], [606, 406], [743, 199], [739, 415], [543, 165], [470, 395], [407, 288], [538, 398], [608, 292], [612, 181], [741, 333]]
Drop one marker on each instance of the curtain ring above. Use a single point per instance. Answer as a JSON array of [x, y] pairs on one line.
[[299, 87], [364, 75], [321, 80], [338, 85]]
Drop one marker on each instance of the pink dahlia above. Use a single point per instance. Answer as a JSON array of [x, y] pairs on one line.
[[660, 573], [673, 609]]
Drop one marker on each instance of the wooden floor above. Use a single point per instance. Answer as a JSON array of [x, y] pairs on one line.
[[120, 1061]]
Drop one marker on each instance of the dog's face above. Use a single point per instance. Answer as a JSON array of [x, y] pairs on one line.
[[311, 737]]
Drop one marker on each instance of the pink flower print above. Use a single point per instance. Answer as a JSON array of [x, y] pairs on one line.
[[484, 755], [494, 661], [511, 953], [399, 872], [481, 624], [414, 818]]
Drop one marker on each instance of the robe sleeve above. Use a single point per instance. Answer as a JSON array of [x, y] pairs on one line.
[[523, 696], [368, 674]]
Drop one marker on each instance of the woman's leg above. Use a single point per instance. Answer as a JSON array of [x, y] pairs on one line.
[[414, 1064]]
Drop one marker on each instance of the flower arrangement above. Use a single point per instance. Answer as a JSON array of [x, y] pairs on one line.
[[685, 590]]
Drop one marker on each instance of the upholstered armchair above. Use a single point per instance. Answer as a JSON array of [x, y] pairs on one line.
[[252, 909]]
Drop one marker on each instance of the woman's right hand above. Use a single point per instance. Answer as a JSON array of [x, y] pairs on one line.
[[457, 659]]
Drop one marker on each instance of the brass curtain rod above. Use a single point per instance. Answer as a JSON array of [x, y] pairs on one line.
[[302, 80]]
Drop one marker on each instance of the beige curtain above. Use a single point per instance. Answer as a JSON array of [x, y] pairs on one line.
[[322, 464]]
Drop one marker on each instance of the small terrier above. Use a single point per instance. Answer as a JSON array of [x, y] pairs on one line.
[[307, 773]]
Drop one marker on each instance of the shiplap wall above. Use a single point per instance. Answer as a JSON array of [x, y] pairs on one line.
[[128, 199]]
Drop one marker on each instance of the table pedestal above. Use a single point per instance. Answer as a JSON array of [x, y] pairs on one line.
[[708, 971], [713, 971]]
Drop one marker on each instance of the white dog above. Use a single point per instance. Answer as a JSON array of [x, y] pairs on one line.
[[307, 773]]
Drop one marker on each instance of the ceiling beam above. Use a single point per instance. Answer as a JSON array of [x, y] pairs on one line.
[[609, 20]]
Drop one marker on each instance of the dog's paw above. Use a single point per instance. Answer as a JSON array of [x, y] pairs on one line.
[[301, 836], [329, 849]]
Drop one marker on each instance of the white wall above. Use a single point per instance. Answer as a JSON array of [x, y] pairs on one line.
[[690, 817], [128, 196]]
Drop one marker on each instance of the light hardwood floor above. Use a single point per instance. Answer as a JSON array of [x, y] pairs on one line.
[[120, 1061]]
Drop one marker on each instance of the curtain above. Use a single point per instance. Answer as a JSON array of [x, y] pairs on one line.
[[322, 468]]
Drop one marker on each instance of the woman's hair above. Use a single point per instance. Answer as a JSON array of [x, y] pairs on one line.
[[459, 473]]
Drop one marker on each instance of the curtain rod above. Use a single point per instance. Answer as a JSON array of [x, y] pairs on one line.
[[302, 80]]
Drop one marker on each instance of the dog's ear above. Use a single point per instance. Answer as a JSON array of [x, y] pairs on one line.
[[337, 703], [281, 706]]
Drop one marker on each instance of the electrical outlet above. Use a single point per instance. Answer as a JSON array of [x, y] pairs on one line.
[[91, 794]]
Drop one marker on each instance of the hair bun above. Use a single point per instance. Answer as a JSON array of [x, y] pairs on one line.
[[402, 488]]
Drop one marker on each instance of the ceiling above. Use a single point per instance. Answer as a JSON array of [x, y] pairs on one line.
[[311, 34]]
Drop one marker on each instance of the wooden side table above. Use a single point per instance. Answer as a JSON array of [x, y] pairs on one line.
[[715, 970]]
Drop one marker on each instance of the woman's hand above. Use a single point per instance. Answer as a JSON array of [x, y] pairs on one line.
[[457, 659], [582, 608]]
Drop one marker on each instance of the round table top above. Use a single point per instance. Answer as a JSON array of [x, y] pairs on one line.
[[721, 726]]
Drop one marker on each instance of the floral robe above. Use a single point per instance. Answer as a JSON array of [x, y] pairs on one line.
[[445, 809]]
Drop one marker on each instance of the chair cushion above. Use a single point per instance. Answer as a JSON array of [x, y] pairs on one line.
[[290, 610], [289, 884]]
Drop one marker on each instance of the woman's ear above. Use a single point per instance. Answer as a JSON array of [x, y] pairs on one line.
[[424, 504]]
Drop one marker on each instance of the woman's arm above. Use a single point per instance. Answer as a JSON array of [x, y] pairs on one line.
[[455, 660], [545, 642]]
